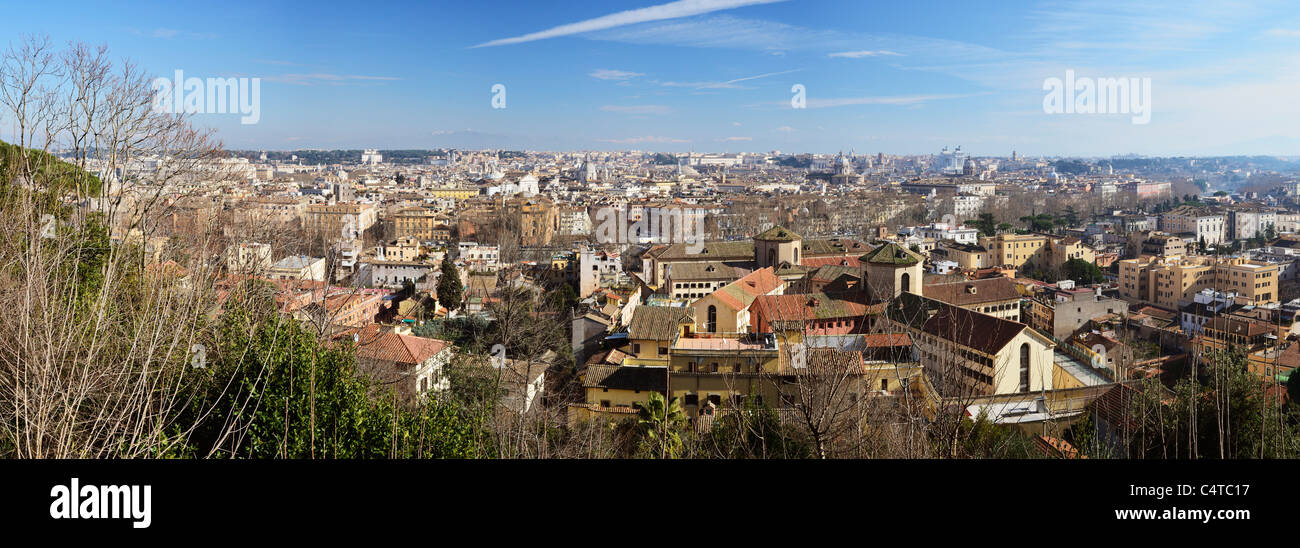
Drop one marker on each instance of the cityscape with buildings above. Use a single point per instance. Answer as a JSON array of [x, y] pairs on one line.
[[709, 230]]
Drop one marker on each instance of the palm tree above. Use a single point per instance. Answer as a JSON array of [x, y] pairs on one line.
[[660, 420]]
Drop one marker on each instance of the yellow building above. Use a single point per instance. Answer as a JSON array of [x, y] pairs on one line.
[[1168, 281], [651, 332], [344, 221], [456, 193], [1040, 251], [418, 223]]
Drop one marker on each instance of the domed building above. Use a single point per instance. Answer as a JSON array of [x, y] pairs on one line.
[[842, 172]]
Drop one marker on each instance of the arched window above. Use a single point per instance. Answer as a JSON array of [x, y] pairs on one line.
[[906, 282], [1024, 367], [771, 257], [796, 255], [712, 326]]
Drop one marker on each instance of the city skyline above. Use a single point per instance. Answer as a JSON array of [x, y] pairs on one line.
[[717, 75]]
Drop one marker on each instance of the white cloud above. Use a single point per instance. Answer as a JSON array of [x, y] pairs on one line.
[[737, 124], [786, 129], [612, 74], [327, 78], [646, 139], [1286, 33], [863, 53], [637, 109], [892, 100], [729, 84], [671, 10], [738, 139]]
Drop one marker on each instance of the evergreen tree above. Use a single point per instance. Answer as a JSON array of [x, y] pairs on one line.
[[450, 291]]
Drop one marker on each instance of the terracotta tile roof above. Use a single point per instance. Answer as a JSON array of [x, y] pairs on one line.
[[973, 292], [626, 378], [372, 344], [885, 340], [738, 295], [803, 307], [853, 262], [656, 322]]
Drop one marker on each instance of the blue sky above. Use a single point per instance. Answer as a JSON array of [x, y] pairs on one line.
[[715, 75]]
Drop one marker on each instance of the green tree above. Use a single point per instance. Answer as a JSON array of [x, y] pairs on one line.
[[450, 291], [661, 421], [1083, 272], [273, 390], [1293, 387]]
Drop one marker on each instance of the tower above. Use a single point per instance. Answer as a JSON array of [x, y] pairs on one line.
[[777, 245], [889, 270]]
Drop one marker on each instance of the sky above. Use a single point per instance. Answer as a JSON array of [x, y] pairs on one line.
[[717, 75]]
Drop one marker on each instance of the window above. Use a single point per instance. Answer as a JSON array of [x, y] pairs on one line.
[[712, 325], [604, 403], [636, 348], [884, 384], [715, 399], [1024, 367], [692, 399]]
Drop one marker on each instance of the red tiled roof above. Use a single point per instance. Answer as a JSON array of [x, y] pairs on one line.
[[389, 346], [886, 340], [854, 262]]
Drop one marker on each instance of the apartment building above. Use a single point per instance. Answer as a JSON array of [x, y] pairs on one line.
[[1249, 223], [1201, 224], [341, 221], [270, 210], [1037, 250], [1169, 281], [968, 353], [996, 297], [1156, 244], [418, 223]]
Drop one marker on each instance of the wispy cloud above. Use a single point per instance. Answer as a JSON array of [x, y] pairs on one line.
[[729, 84], [671, 10], [737, 139], [637, 109], [1285, 33], [883, 100], [612, 74], [317, 78], [864, 53], [646, 139], [166, 34], [785, 129]]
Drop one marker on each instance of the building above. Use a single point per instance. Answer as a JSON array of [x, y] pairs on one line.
[[1170, 281], [726, 310], [414, 366], [340, 221], [968, 353], [248, 258], [298, 267], [997, 297], [419, 223], [1063, 311], [1200, 224]]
